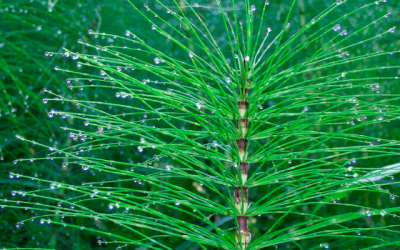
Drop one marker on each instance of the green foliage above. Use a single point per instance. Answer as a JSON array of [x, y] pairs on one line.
[[149, 153]]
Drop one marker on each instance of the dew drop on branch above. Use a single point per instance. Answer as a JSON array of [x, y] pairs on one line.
[[336, 27]]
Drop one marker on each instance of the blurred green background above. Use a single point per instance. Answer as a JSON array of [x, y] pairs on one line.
[[31, 30]]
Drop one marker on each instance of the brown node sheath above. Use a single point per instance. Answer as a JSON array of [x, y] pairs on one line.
[[244, 169], [242, 106], [247, 82], [241, 201], [242, 143], [243, 125], [244, 232]]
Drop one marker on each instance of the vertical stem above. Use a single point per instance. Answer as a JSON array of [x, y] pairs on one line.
[[241, 195]]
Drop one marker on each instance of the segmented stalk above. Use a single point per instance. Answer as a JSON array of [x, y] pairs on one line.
[[241, 192]]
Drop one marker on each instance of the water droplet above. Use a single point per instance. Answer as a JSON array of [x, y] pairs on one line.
[[198, 106], [253, 8], [86, 123], [85, 167], [127, 33], [177, 203], [167, 167], [140, 149], [336, 27], [392, 197], [45, 101], [191, 54], [324, 245]]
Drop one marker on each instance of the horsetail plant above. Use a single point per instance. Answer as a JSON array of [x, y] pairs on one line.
[[232, 134]]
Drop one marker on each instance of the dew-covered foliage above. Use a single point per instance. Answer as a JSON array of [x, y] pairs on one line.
[[200, 125]]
